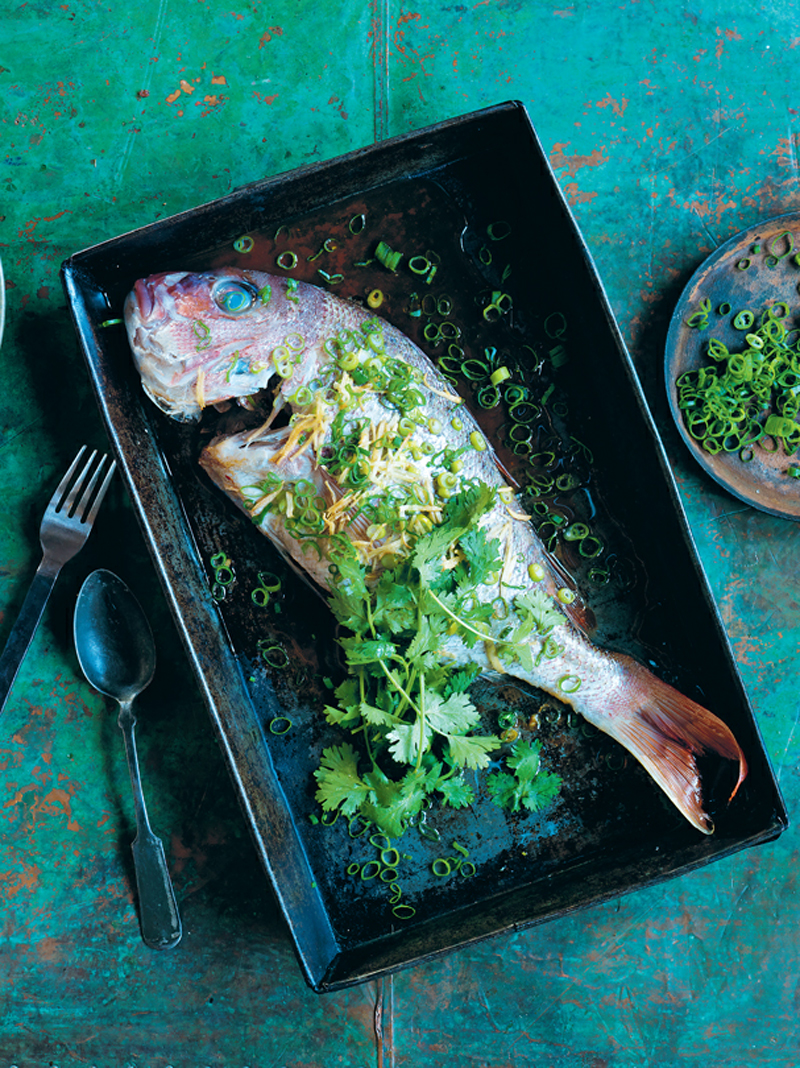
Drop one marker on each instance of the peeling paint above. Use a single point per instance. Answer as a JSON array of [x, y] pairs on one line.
[[559, 160]]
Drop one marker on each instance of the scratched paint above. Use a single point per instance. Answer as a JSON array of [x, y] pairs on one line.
[[669, 127]]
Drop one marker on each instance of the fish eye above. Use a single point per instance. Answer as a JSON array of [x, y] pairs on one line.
[[234, 298]]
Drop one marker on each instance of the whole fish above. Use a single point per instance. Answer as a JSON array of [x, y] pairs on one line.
[[375, 446]]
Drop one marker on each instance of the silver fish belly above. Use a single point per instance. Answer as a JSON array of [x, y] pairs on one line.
[[376, 446]]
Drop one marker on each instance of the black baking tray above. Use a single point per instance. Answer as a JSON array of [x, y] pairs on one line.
[[476, 196]]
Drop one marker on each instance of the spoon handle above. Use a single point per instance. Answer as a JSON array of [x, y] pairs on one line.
[[158, 911]]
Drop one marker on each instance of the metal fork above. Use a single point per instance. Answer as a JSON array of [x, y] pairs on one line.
[[65, 527]]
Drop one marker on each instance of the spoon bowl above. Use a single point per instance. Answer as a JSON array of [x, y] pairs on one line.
[[117, 654], [113, 639]]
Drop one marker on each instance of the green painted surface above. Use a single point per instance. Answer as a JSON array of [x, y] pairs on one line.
[[670, 126]]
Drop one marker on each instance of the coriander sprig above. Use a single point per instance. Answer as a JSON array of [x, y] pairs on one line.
[[409, 707]]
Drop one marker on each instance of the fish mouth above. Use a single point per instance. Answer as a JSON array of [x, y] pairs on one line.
[[152, 301], [144, 299], [143, 308]]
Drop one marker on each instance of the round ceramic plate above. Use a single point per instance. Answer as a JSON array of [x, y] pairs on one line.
[[757, 268]]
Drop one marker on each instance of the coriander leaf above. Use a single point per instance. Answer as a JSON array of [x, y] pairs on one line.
[[525, 760], [371, 651], [347, 691], [382, 789], [502, 788], [341, 714], [395, 607], [461, 679], [461, 512], [349, 597], [446, 605], [481, 554], [404, 742], [513, 793], [389, 819], [539, 792], [471, 752], [427, 640], [376, 716], [466, 507], [517, 651], [457, 792], [428, 774], [339, 783], [391, 804], [545, 788], [543, 611], [456, 715], [392, 817]]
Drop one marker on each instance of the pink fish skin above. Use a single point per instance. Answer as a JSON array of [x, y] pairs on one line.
[[246, 317]]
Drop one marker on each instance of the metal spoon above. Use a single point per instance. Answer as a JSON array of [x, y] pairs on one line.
[[117, 655]]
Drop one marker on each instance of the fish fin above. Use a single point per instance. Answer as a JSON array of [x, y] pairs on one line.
[[665, 731], [580, 614], [577, 612]]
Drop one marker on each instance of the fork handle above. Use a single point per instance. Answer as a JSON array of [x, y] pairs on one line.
[[25, 626]]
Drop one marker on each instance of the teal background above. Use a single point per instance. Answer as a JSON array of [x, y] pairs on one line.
[[670, 127]]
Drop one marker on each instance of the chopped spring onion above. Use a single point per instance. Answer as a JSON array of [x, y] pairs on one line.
[[576, 532], [750, 397], [419, 265], [389, 258], [287, 260], [498, 231], [555, 324], [569, 683], [744, 319], [331, 279], [274, 655], [202, 332], [500, 375], [774, 245]]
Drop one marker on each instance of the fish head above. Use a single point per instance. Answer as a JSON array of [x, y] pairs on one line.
[[203, 338]]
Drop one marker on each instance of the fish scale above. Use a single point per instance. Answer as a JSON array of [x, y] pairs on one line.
[[183, 369]]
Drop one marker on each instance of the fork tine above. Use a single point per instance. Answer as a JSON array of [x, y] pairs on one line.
[[91, 514], [57, 500], [79, 485], [75, 496]]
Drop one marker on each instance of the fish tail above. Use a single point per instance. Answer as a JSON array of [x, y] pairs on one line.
[[665, 731]]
